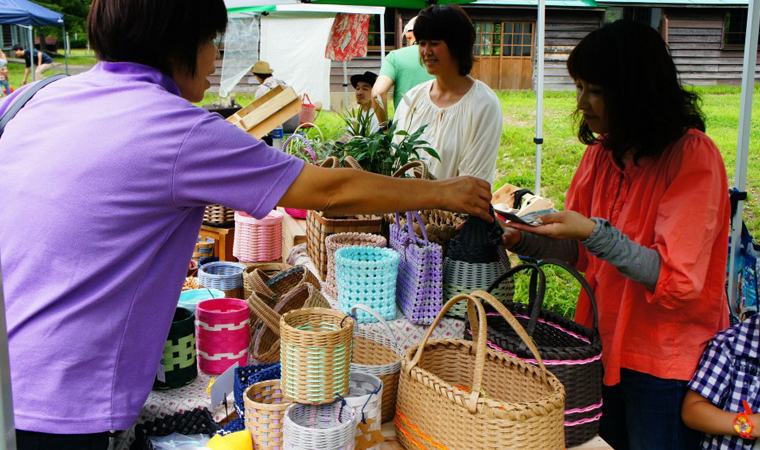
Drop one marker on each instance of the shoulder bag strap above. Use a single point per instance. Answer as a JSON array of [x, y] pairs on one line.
[[11, 112]]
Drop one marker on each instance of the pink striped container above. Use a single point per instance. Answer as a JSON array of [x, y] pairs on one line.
[[258, 240], [223, 335]]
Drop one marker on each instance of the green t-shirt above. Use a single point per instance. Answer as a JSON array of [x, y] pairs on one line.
[[404, 68]]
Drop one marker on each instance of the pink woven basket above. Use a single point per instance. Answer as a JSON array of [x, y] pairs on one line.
[[223, 335], [258, 240]]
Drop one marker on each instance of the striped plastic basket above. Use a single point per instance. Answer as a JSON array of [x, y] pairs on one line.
[[323, 427], [258, 240], [340, 240], [222, 333], [367, 276], [222, 275]]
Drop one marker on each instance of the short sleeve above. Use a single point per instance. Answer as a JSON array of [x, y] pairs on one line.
[[220, 164], [713, 375], [389, 66]]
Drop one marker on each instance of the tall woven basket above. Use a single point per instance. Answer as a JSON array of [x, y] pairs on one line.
[[320, 427], [265, 406], [222, 334], [178, 360], [458, 394], [340, 240], [378, 354], [367, 276], [258, 240], [571, 351], [315, 352]]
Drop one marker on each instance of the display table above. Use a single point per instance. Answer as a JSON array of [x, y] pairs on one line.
[[224, 239]]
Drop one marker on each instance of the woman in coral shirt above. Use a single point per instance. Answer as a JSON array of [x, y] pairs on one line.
[[647, 220]]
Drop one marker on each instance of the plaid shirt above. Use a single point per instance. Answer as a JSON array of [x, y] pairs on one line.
[[728, 373]]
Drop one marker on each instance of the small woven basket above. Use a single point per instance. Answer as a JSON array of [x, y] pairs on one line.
[[315, 351], [340, 240], [258, 240], [365, 395], [222, 275], [367, 276], [222, 334], [378, 354], [204, 247], [269, 269], [179, 355], [320, 427], [278, 285], [249, 375], [219, 216], [265, 406], [194, 421]]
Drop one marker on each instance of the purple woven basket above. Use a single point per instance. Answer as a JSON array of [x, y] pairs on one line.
[[419, 289]]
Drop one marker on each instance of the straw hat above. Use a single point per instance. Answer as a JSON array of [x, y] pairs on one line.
[[262, 67]]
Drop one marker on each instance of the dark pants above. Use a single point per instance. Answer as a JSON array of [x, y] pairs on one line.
[[30, 440], [643, 412]]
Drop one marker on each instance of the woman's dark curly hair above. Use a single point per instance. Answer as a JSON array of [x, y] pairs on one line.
[[647, 109]]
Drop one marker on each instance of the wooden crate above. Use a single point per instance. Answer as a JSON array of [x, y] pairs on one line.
[[267, 112]]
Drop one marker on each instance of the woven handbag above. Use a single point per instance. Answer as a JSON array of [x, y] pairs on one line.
[[248, 375], [315, 351], [341, 240], [308, 111], [194, 421], [178, 359], [378, 354], [269, 269], [571, 351], [258, 240], [320, 427], [419, 289], [278, 285], [367, 276], [456, 394]]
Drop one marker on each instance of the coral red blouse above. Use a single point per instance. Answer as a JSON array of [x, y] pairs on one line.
[[678, 205]]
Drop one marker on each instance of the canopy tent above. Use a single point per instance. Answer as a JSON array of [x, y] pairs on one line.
[[27, 14]]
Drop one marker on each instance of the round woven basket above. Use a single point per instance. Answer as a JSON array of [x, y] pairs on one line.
[[269, 269], [203, 247], [461, 277], [178, 359], [258, 240], [340, 240], [365, 394], [265, 406], [323, 427], [222, 334], [277, 285], [367, 276], [315, 352], [222, 275], [378, 354]]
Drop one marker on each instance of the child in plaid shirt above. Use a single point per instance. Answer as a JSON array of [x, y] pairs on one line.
[[728, 375]]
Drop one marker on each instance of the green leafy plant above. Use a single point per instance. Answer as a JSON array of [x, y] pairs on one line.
[[358, 122]]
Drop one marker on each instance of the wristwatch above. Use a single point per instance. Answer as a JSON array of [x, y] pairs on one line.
[[742, 424]]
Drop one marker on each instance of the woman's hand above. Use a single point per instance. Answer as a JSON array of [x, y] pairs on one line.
[[561, 225], [467, 195]]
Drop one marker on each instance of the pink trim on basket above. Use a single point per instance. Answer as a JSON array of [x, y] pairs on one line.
[[584, 421], [583, 410], [551, 324], [548, 362]]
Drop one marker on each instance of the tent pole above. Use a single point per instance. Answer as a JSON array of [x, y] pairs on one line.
[[539, 140], [31, 52], [382, 38], [345, 86], [742, 148], [66, 49], [6, 398]]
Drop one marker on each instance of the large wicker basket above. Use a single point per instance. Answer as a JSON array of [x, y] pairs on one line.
[[268, 269], [459, 394], [278, 285], [219, 216]]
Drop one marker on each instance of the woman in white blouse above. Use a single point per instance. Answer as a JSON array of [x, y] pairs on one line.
[[463, 114]]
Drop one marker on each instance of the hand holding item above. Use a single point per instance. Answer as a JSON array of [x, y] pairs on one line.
[[511, 235], [467, 195], [560, 225]]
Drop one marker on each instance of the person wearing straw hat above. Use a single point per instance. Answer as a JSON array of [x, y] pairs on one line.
[[98, 223], [267, 81]]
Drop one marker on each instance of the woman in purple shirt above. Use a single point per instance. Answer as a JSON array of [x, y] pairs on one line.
[[100, 213]]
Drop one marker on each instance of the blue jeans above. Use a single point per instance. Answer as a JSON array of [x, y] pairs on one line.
[[7, 87], [643, 412]]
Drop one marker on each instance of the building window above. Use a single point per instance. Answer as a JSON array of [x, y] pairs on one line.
[[734, 28], [518, 39], [504, 39], [487, 39]]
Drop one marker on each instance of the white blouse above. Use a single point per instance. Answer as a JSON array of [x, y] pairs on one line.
[[466, 134]]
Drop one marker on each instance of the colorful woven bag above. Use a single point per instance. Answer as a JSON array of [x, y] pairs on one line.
[[420, 279], [367, 276], [570, 351], [222, 334], [178, 360]]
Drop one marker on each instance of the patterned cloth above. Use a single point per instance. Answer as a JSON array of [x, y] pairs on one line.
[[348, 37], [728, 374]]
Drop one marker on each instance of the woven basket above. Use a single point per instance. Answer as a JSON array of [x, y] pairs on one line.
[[204, 247], [179, 355], [265, 406], [268, 269], [222, 275], [571, 351], [320, 427], [247, 376], [378, 354], [190, 299], [219, 216], [458, 394], [300, 213], [194, 421], [265, 340], [277, 285], [341, 240], [258, 240], [460, 277], [222, 334], [367, 276], [365, 395], [315, 351]]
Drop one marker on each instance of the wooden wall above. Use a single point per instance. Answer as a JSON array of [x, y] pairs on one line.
[[564, 29], [695, 37]]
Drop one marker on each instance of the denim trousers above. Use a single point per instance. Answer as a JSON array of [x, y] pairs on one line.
[[643, 412]]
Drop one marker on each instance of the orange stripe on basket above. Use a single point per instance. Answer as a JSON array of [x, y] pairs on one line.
[[416, 430]]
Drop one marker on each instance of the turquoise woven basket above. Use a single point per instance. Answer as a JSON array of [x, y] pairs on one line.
[[367, 276]]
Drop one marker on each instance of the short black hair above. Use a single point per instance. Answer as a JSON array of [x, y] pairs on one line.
[[647, 108], [17, 47], [451, 24], [263, 76], [159, 33]]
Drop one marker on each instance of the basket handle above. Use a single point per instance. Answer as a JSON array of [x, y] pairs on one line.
[[307, 145], [410, 226], [259, 282], [349, 161], [310, 125], [330, 163], [421, 169], [581, 279], [305, 99], [268, 315], [380, 319], [535, 293]]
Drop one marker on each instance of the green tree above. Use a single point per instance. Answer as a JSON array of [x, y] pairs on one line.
[[74, 17]]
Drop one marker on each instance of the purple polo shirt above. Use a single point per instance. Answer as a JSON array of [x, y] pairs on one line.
[[105, 176]]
